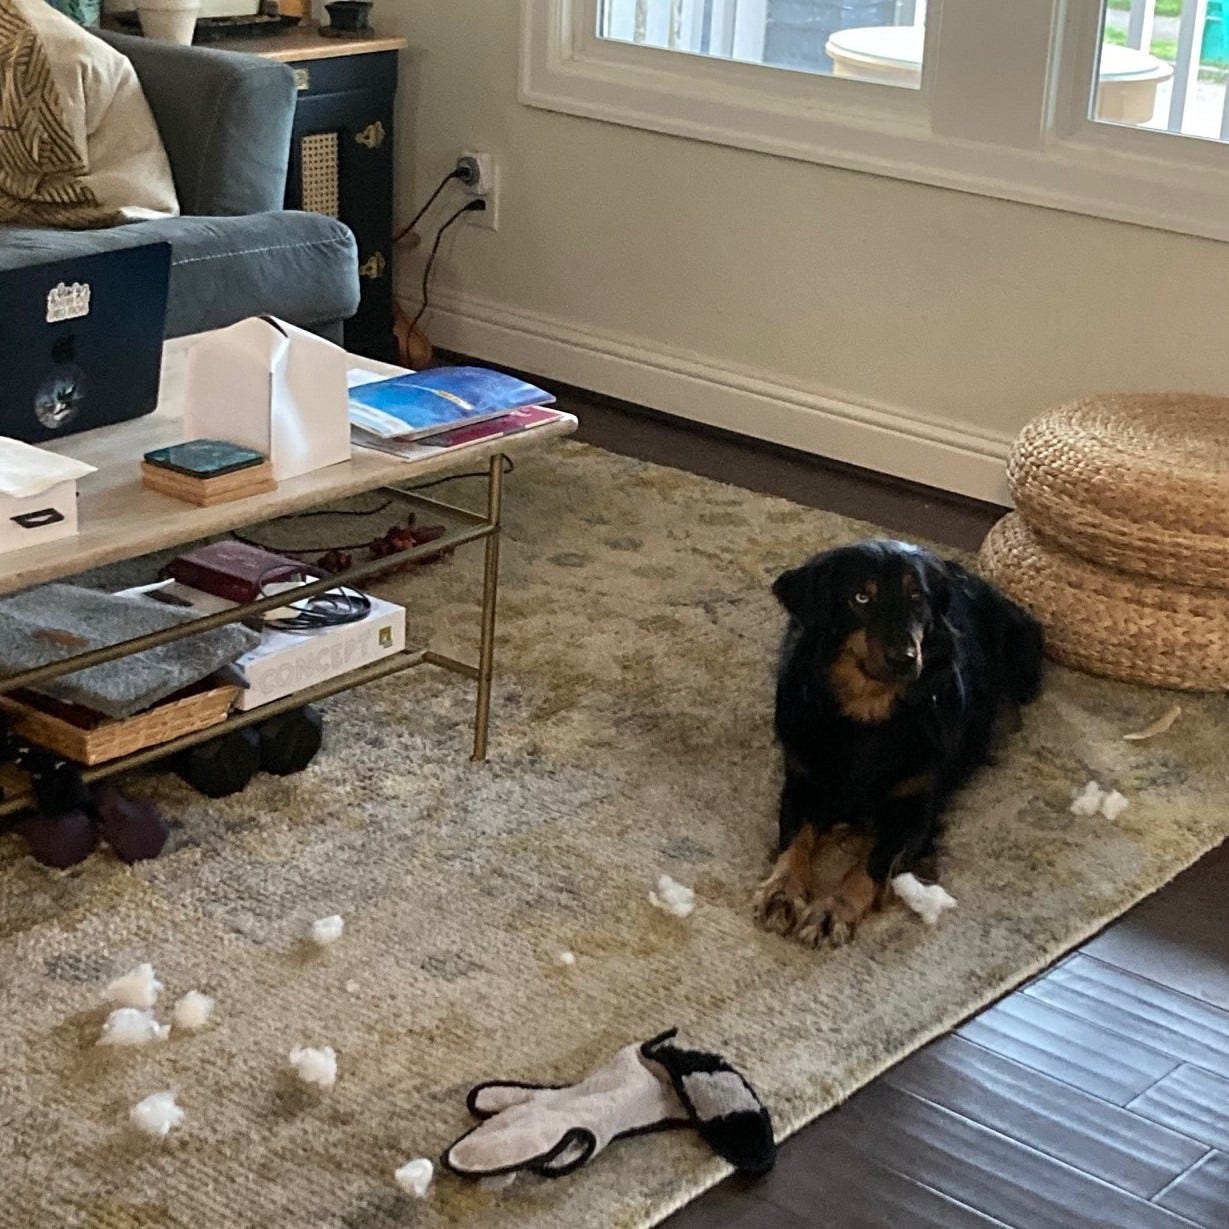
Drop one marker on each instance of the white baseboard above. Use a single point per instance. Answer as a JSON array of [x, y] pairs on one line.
[[828, 422]]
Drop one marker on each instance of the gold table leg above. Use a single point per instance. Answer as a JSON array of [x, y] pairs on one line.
[[490, 586]]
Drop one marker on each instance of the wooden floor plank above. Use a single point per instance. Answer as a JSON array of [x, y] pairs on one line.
[[1192, 1101], [835, 1182], [1068, 1049], [1202, 1193], [982, 1169], [1100, 1139], [1179, 937], [1133, 1007]]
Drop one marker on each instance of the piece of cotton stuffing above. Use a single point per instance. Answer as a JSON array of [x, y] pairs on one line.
[[127, 1026], [1113, 805], [156, 1115], [192, 1012], [414, 1177], [137, 988], [565, 958], [672, 897], [315, 1065], [927, 900], [1088, 801], [327, 930]]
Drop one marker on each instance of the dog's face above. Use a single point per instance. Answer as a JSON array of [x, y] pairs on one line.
[[873, 604]]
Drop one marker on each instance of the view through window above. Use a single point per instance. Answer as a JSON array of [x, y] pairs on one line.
[[865, 40], [1163, 65]]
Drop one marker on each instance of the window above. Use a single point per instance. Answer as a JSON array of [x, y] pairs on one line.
[[1163, 65], [1091, 106], [877, 40]]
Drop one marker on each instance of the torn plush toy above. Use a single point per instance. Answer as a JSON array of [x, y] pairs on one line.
[[654, 1086]]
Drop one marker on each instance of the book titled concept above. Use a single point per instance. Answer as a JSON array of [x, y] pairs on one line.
[[421, 403]]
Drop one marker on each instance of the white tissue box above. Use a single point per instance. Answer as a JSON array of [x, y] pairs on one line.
[[38, 495], [272, 387]]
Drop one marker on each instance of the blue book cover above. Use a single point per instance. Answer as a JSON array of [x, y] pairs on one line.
[[441, 399]]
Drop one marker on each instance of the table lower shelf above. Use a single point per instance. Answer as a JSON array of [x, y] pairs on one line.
[[17, 801]]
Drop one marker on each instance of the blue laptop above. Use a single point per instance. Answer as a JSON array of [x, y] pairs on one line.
[[81, 341]]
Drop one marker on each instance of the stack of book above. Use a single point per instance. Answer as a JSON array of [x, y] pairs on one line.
[[420, 412]]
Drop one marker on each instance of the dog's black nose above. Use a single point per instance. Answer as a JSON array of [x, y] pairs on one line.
[[902, 659]]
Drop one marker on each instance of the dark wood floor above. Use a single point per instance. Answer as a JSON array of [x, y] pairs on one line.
[[1096, 1095]]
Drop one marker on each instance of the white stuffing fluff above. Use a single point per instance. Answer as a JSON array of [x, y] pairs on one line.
[[126, 1026], [927, 900], [315, 1066], [414, 1177], [351, 987], [1113, 805], [156, 1115], [1088, 801], [137, 988], [672, 897], [327, 930], [565, 958], [192, 1012]]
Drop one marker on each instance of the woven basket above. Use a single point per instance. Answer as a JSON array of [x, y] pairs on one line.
[[1137, 483], [1111, 623], [88, 738]]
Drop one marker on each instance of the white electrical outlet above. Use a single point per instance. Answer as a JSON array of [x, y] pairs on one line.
[[486, 187]]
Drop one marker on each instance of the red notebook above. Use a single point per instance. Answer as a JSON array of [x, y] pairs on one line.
[[230, 570]]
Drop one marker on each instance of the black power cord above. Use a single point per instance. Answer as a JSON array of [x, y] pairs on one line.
[[475, 206], [455, 173]]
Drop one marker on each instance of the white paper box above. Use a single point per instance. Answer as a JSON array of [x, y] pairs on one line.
[[36, 520], [38, 495], [268, 385], [286, 662]]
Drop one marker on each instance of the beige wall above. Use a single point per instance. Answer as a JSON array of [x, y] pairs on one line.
[[882, 321]]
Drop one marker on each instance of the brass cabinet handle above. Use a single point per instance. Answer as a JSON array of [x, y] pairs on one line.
[[373, 266], [372, 136]]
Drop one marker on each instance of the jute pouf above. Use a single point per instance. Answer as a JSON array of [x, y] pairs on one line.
[[1137, 482], [1111, 623]]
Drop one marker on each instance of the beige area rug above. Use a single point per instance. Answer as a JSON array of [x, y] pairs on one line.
[[632, 737]]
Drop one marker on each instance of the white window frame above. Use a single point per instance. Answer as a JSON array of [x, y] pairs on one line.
[[1016, 129]]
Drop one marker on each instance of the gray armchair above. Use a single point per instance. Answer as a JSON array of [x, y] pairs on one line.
[[225, 120]]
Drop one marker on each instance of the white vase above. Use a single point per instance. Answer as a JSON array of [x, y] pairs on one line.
[[169, 21]]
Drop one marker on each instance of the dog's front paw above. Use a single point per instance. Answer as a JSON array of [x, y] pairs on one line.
[[832, 921], [779, 904]]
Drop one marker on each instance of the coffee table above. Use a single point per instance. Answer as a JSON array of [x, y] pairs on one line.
[[120, 519]]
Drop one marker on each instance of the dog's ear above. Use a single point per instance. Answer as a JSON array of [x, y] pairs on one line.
[[806, 591]]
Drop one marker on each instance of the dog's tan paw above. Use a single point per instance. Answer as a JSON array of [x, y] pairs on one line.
[[779, 905], [832, 922]]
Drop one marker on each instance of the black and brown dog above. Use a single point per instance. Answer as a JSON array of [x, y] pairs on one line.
[[895, 668]]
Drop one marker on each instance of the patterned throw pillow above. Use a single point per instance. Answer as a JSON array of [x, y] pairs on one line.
[[78, 143]]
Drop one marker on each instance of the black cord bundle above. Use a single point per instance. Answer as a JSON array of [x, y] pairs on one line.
[[333, 608]]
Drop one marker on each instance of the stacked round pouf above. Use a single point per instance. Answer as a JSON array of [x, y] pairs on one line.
[[1120, 539]]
